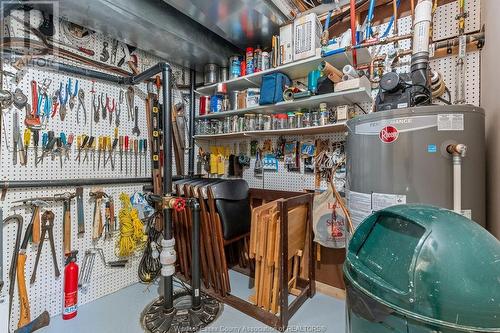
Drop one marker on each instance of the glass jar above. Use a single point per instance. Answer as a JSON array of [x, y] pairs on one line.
[[266, 123], [300, 119], [250, 122], [234, 124], [281, 121], [241, 124], [306, 119], [324, 114], [292, 120], [228, 124], [315, 118], [260, 122]]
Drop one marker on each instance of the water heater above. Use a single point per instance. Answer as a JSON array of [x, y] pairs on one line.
[[431, 154]]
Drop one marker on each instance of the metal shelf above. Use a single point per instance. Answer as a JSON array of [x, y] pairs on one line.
[[331, 128], [360, 95], [295, 70]]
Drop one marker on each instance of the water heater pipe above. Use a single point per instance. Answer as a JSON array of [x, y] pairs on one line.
[[458, 152], [421, 26]]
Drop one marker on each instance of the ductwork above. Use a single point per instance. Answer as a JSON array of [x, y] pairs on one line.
[[153, 26]]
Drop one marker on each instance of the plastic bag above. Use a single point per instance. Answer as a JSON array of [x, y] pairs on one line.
[[329, 223]]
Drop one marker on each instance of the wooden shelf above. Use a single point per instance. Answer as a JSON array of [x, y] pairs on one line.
[[360, 95], [314, 130], [295, 70]]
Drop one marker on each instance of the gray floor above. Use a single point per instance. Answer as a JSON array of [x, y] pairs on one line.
[[120, 312]]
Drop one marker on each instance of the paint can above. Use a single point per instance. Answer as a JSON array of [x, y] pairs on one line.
[[211, 74], [204, 105], [223, 74]]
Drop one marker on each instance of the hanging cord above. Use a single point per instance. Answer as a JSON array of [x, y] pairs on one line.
[[131, 229], [149, 266], [339, 198]]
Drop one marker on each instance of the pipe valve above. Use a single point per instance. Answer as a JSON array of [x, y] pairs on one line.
[[458, 149]]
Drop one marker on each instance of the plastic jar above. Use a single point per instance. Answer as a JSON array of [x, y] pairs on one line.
[[292, 120]]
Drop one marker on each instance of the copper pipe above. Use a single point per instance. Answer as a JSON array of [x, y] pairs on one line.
[[395, 10], [372, 66], [412, 8], [353, 33]]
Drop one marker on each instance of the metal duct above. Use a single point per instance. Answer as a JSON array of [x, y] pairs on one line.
[[153, 26], [243, 23]]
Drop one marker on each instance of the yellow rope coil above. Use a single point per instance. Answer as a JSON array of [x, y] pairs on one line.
[[131, 229]]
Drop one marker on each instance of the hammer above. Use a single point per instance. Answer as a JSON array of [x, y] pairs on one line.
[[40, 322]]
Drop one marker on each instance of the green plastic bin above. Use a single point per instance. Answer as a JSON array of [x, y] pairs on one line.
[[416, 269]]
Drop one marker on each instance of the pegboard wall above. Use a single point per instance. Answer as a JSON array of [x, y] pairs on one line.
[[47, 291], [445, 26]]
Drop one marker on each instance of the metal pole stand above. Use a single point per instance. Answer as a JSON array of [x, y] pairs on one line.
[[191, 310]]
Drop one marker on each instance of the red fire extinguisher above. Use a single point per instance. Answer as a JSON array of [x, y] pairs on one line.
[[70, 305]]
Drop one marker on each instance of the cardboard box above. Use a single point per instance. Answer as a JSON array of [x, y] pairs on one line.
[[286, 44], [361, 82], [306, 36], [252, 97]]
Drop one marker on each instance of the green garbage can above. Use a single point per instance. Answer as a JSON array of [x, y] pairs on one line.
[[422, 269]]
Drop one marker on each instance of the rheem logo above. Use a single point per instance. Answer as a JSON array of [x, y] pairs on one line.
[[388, 134]]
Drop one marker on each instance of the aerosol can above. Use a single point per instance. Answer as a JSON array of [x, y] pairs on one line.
[[70, 302]]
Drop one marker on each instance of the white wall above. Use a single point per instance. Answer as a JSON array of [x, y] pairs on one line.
[[490, 101]]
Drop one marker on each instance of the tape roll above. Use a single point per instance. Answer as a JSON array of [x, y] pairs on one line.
[[333, 73], [288, 94], [351, 71]]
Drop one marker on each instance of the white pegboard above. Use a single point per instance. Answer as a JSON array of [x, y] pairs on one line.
[[446, 25], [47, 291]]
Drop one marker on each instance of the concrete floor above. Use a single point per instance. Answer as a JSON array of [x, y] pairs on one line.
[[120, 312]]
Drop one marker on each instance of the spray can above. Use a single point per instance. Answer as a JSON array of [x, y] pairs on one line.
[[249, 60], [234, 67], [70, 302], [257, 59]]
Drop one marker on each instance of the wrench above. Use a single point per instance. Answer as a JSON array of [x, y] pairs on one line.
[[136, 129]]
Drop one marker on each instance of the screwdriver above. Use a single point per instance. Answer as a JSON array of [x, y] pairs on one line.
[[100, 146], [145, 148], [136, 148], [59, 149], [69, 143], [120, 139], [125, 149], [86, 144], [36, 140], [140, 155], [26, 140], [79, 147], [113, 148], [93, 145]]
